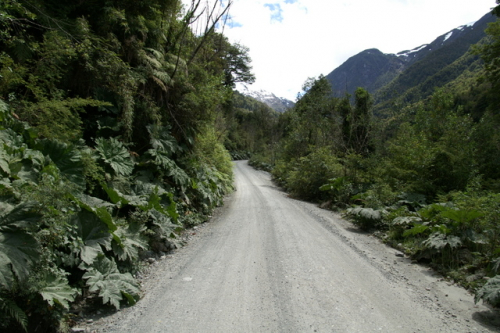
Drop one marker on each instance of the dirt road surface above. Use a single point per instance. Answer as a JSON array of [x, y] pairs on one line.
[[268, 263]]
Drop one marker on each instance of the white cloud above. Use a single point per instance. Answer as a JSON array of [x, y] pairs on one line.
[[291, 40]]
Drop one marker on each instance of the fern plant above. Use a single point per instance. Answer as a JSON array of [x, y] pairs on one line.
[[10, 310]]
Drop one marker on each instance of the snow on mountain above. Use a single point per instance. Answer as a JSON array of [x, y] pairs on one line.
[[279, 104], [415, 50], [374, 70], [448, 36]]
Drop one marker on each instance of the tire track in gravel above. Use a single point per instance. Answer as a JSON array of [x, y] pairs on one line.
[[268, 263]]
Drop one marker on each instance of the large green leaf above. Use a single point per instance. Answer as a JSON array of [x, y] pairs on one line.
[[128, 240], [121, 199], [114, 154], [406, 220], [11, 139], [161, 140], [93, 233], [4, 161], [490, 292], [101, 211], [17, 251], [439, 241], [170, 168], [20, 216], [334, 184], [462, 216], [416, 230], [164, 223], [365, 213], [57, 290], [103, 276], [155, 202], [67, 159], [496, 265], [17, 160]]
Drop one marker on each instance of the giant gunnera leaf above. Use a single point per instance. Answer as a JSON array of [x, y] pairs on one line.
[[366, 218], [114, 154], [57, 290], [93, 233], [161, 139], [104, 277], [439, 241], [67, 159], [490, 292], [18, 249], [128, 240]]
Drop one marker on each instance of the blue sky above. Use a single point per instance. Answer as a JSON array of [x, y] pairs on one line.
[[291, 40]]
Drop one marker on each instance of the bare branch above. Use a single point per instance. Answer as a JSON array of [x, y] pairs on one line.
[[210, 26]]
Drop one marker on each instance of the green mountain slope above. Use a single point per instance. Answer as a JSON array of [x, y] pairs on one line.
[[410, 75]]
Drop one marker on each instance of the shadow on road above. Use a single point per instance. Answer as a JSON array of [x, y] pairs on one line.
[[357, 231], [488, 319]]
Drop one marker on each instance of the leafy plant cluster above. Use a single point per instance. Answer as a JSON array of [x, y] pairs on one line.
[[112, 131], [425, 178]]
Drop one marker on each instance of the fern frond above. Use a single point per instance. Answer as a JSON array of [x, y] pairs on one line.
[[160, 84], [9, 308], [156, 53], [163, 76]]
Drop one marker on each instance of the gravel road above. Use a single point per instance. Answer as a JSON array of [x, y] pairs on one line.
[[268, 263]]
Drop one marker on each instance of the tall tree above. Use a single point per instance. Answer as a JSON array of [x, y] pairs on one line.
[[490, 53]]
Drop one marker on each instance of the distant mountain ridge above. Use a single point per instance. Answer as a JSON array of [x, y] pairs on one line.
[[418, 70], [279, 104]]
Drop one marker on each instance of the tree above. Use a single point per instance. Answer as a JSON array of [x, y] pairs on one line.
[[490, 53], [237, 65], [356, 121]]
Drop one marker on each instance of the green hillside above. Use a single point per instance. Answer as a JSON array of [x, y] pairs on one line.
[[435, 70], [425, 177]]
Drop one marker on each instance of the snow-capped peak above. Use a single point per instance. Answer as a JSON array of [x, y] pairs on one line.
[[279, 104]]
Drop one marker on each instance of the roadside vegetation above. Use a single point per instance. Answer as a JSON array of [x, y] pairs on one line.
[[118, 122], [113, 119], [425, 178]]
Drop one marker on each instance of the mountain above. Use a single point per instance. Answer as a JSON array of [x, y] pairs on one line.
[[414, 73], [278, 104], [370, 69]]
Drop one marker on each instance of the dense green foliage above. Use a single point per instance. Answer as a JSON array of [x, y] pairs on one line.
[[425, 177], [250, 125], [113, 119]]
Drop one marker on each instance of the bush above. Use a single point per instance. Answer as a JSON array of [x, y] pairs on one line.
[[212, 152], [310, 172], [260, 162]]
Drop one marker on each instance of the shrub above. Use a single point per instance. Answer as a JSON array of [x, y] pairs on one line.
[[310, 172]]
